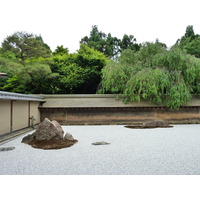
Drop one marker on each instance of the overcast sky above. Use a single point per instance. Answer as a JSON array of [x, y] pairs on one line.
[[65, 22]]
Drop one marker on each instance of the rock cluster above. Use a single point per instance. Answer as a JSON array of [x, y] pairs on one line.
[[155, 124], [152, 124], [49, 135]]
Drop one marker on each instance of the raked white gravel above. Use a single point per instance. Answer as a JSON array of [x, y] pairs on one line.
[[130, 152]]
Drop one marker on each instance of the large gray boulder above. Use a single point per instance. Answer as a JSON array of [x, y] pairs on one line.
[[48, 130], [49, 135]]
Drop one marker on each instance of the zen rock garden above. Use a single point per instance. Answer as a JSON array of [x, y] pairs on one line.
[[49, 135]]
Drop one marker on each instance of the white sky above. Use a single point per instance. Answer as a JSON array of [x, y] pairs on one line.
[[65, 22]]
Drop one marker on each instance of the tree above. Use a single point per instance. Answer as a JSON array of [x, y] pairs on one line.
[[109, 45], [161, 76], [9, 65], [79, 72], [161, 44], [96, 39], [189, 32], [190, 42], [129, 42], [192, 46], [60, 50], [33, 78], [26, 45]]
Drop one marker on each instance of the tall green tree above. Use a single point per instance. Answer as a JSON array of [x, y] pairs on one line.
[[109, 45], [189, 32], [26, 45], [190, 42], [129, 42]]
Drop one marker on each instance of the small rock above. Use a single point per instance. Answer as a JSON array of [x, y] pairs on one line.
[[68, 136], [6, 148], [100, 143]]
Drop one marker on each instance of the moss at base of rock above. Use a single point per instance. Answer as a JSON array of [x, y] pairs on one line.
[[50, 144]]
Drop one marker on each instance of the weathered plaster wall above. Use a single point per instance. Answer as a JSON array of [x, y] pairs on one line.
[[105, 109], [15, 115], [5, 114], [35, 112]]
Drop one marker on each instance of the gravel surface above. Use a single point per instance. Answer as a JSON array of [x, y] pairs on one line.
[[131, 151]]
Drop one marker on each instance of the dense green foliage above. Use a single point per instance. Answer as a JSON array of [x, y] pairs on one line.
[[105, 64], [190, 42], [33, 78], [108, 45], [154, 73], [60, 50], [79, 72], [62, 73], [25, 45]]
